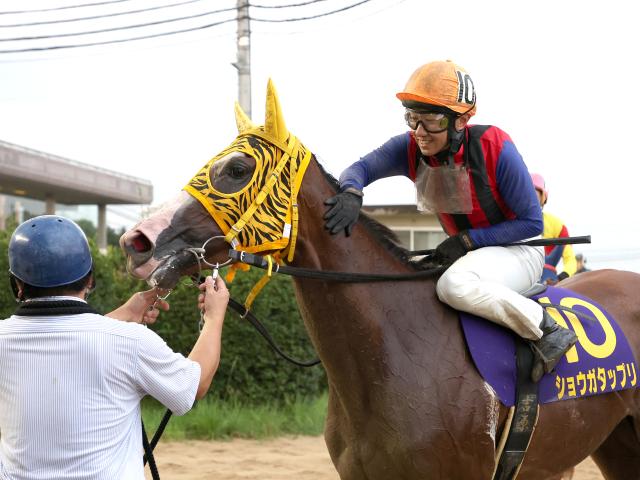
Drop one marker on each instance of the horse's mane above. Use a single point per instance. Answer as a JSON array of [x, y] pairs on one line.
[[382, 233]]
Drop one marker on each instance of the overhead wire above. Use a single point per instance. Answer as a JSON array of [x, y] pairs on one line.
[[298, 19], [121, 40], [115, 29], [106, 15], [67, 7], [306, 30], [309, 2], [162, 34]]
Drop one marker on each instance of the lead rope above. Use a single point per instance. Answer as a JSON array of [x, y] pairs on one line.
[[150, 446], [146, 445], [148, 455]]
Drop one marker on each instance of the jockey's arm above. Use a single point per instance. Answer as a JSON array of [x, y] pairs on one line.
[[388, 160], [515, 187]]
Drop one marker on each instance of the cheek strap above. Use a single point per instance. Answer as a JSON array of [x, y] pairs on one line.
[[235, 229], [15, 289]]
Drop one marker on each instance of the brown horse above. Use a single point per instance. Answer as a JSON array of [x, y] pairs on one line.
[[405, 400]]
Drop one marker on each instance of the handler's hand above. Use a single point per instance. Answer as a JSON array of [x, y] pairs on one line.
[[214, 299], [140, 307]]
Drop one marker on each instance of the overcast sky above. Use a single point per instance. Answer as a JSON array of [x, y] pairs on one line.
[[561, 77]]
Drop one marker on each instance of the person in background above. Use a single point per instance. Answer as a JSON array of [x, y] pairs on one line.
[[581, 262], [71, 380], [553, 228], [474, 179]]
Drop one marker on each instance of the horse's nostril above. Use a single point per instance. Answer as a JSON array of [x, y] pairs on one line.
[[141, 244]]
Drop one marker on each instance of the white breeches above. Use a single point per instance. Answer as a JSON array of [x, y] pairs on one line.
[[488, 281]]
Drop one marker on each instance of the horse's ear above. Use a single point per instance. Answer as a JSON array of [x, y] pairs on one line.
[[243, 122], [273, 118]]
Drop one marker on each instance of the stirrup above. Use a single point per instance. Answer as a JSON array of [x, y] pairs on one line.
[[546, 364]]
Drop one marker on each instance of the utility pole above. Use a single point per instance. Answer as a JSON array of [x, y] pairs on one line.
[[243, 63]]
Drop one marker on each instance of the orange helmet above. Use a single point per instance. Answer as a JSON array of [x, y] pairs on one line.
[[540, 185], [443, 84]]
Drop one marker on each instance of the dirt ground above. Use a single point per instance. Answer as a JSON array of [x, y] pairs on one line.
[[289, 458]]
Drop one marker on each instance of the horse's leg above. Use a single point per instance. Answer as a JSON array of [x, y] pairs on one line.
[[339, 447], [619, 456]]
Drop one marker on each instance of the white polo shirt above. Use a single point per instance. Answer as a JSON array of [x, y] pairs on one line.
[[70, 391]]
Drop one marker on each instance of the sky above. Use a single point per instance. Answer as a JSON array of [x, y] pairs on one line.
[[561, 78]]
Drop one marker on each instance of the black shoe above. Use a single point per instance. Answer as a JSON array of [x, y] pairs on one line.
[[548, 351]]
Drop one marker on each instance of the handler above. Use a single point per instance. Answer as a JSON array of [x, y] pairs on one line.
[[71, 380], [474, 179]]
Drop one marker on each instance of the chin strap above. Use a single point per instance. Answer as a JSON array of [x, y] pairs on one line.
[[456, 139], [257, 288], [14, 288]]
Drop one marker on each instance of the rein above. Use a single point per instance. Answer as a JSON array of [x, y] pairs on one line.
[[344, 277], [246, 313]]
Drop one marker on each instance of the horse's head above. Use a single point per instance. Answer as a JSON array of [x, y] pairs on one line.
[[244, 196]]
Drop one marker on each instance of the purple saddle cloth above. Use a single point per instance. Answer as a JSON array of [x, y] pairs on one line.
[[602, 360]]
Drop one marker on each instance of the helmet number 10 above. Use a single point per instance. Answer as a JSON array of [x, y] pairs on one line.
[[466, 92]]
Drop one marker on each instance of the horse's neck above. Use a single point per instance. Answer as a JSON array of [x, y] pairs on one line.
[[353, 326]]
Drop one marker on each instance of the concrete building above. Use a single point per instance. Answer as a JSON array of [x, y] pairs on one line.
[[416, 230], [29, 177]]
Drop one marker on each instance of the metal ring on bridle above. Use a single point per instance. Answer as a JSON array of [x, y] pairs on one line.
[[217, 265], [199, 253]]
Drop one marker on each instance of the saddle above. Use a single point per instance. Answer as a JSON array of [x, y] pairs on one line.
[[602, 361]]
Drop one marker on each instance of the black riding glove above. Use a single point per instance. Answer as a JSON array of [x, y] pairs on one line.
[[344, 211], [452, 248], [562, 276]]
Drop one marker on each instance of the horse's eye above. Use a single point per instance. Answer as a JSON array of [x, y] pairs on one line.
[[237, 171]]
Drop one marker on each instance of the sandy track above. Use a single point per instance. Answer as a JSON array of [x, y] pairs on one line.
[[288, 458]]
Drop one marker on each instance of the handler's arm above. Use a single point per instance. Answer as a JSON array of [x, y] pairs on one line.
[[206, 351]]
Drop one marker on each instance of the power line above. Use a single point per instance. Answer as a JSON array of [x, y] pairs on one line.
[[122, 40], [298, 19], [106, 15], [287, 6], [115, 29], [359, 18], [64, 8], [161, 34], [181, 40]]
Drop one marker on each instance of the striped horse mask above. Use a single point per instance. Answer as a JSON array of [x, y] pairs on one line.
[[262, 215]]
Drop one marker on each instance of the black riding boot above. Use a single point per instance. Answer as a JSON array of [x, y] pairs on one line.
[[548, 351]]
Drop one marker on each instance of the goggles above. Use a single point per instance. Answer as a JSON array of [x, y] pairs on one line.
[[432, 122]]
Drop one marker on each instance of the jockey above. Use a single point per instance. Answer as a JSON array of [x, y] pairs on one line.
[[553, 228], [474, 179]]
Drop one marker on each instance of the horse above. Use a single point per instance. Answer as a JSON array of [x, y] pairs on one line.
[[405, 400]]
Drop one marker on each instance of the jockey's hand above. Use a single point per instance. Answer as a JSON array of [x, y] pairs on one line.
[[454, 247], [344, 212], [562, 276]]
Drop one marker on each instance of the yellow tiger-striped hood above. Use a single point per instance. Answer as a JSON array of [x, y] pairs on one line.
[[263, 215]]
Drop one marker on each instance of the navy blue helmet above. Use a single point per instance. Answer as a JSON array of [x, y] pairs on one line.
[[49, 251]]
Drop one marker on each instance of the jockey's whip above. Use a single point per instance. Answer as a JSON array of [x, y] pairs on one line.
[[538, 242]]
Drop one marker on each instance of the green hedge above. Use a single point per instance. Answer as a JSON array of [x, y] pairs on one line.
[[249, 372]]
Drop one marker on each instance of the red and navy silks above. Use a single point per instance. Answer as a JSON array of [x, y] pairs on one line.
[[480, 150]]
